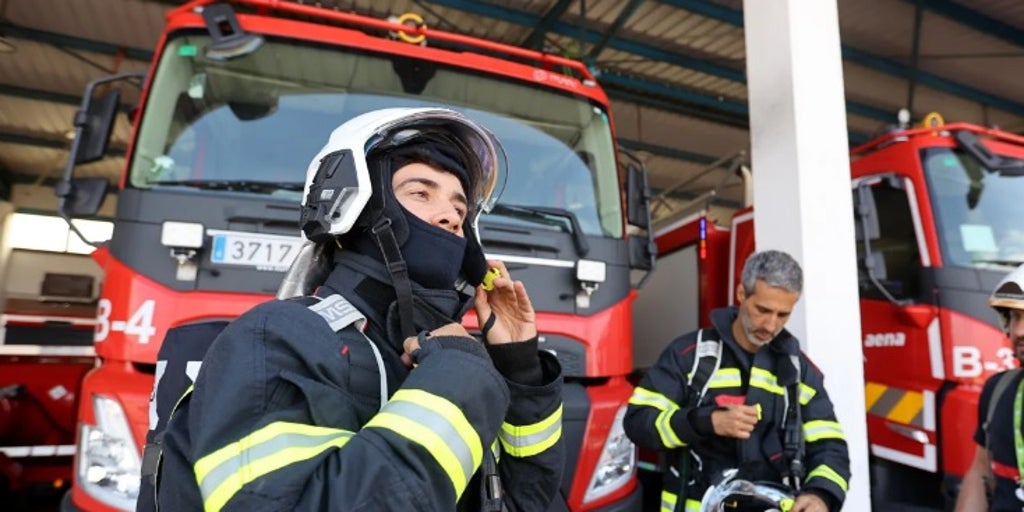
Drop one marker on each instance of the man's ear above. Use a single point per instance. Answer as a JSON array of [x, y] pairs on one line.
[[741, 293]]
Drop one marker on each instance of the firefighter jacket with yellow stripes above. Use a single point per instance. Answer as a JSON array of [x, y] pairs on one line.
[[285, 414], [663, 415]]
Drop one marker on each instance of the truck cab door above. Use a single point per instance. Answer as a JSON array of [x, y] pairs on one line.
[[902, 348]]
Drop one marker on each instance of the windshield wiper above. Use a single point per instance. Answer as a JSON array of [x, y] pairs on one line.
[[535, 212], [997, 261], [259, 187]]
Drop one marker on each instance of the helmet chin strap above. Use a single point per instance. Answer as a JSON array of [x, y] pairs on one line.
[[399, 271]]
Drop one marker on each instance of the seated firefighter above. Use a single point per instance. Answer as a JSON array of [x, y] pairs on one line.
[[366, 393]]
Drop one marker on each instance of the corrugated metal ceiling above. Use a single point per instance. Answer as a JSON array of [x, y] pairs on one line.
[[673, 68]]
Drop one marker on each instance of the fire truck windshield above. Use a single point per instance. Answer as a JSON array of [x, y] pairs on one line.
[[259, 118], [977, 210]]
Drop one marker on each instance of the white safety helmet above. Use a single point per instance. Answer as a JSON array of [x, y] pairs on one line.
[[737, 495], [348, 188], [339, 199], [1009, 294]]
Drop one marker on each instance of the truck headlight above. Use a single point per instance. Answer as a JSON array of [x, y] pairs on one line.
[[617, 464], [108, 461]]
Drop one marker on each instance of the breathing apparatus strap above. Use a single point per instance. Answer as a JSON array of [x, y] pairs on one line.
[[794, 433], [399, 271]]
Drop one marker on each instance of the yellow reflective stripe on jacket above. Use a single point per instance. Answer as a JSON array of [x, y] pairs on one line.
[[437, 425], [726, 378], [764, 379], [224, 472], [823, 471], [663, 423], [806, 393], [496, 451], [529, 440], [822, 429], [669, 500], [644, 396]]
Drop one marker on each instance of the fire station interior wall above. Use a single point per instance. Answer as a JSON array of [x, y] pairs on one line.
[[22, 271], [667, 306], [27, 268]]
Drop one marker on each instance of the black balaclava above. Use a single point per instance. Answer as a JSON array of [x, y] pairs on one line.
[[434, 256]]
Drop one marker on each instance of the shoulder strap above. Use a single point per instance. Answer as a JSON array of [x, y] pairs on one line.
[[706, 361], [339, 313], [1004, 382], [793, 434]]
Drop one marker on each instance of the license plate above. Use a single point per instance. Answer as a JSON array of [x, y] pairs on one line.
[[264, 252]]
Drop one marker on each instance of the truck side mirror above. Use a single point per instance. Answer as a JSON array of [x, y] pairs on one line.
[[638, 197], [81, 197], [95, 125]]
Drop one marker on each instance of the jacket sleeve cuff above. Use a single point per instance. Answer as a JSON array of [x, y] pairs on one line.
[[693, 424], [518, 362]]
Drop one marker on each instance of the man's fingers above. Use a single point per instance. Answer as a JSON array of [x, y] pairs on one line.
[[410, 344]]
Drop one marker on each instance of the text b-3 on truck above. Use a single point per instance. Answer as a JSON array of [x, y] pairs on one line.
[[938, 225], [238, 98]]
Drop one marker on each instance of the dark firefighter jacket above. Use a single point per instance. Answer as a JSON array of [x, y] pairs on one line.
[[284, 414], [998, 439], [662, 416]]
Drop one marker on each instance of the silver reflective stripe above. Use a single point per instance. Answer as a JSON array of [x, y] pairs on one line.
[[523, 441], [338, 312], [440, 426], [268, 448]]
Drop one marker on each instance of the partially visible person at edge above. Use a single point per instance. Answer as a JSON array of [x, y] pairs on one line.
[[400, 408], [993, 480], [739, 422]]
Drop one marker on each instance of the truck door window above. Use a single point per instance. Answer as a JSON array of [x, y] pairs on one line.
[[894, 247]]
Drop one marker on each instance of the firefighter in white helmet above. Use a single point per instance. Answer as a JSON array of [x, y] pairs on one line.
[[369, 394], [993, 480]]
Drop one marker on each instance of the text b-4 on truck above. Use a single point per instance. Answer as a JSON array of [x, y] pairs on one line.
[[938, 224], [239, 96]]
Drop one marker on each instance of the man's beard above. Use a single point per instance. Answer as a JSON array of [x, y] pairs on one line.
[[752, 333]]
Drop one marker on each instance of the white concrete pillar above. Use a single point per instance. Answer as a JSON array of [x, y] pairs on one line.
[[802, 198]]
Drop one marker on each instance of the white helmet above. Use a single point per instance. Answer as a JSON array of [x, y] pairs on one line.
[[348, 185], [1009, 294], [737, 495], [333, 202]]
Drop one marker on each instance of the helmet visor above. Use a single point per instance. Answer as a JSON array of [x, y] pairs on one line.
[[481, 152]]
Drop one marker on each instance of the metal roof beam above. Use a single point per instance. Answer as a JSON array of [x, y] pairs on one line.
[[627, 12], [593, 37], [77, 43], [863, 58], [678, 154], [974, 19], [536, 38], [49, 96], [692, 104], [40, 95], [51, 142], [644, 50]]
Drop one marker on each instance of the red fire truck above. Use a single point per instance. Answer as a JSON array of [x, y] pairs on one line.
[[239, 96], [937, 221], [45, 349]]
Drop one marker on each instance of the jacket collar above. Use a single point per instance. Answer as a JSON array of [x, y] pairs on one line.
[[365, 283]]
